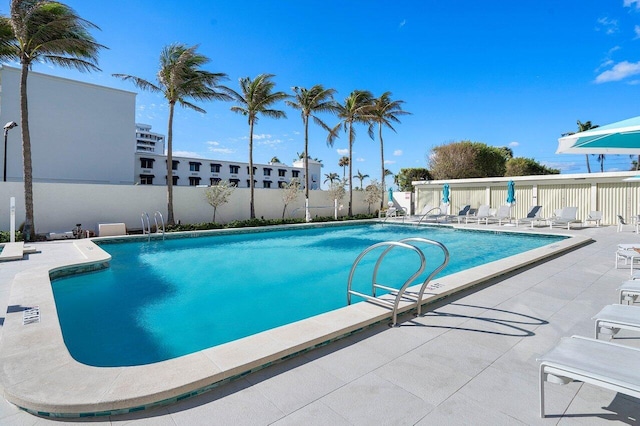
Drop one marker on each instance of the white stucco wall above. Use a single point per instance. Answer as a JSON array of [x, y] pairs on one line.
[[59, 206], [79, 132]]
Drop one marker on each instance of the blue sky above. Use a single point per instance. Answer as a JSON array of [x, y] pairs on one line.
[[502, 72]]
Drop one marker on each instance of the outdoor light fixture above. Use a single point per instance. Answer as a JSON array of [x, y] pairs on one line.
[[10, 125]]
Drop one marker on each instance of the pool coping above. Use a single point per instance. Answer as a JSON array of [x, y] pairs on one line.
[[35, 360]]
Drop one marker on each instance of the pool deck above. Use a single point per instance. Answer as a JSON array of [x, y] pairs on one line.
[[471, 358]]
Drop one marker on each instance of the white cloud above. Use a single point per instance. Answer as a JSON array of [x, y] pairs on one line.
[[514, 144], [631, 3], [636, 30], [402, 23], [222, 150], [213, 143], [261, 136], [563, 167], [609, 26], [189, 154], [360, 160], [389, 162], [397, 152], [619, 72], [342, 151], [269, 142]]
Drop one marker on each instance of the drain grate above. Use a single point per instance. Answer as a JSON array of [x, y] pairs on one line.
[[31, 315]]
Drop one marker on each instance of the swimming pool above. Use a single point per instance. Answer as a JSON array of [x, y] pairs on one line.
[[165, 299]]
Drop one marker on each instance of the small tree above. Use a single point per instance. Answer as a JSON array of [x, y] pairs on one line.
[[337, 192], [373, 193], [218, 194], [290, 192]]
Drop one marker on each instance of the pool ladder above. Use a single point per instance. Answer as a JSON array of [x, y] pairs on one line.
[[146, 224], [399, 293]]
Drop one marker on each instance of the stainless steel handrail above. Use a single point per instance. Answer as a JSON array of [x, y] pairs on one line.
[[155, 219], [435, 272], [399, 292], [148, 223]]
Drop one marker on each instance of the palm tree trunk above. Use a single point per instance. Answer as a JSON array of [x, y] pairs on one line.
[[350, 168], [29, 226], [382, 182], [170, 218], [251, 205], [307, 216], [588, 166]]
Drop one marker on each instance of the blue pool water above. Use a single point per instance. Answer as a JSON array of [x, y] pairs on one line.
[[164, 299]]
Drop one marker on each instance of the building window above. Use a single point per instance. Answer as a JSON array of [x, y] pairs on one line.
[[234, 170], [146, 179], [295, 173], [146, 163], [267, 171], [282, 184], [282, 172], [266, 184], [254, 170], [249, 183], [234, 182], [194, 166], [174, 164], [194, 181], [215, 168], [214, 181], [174, 179]]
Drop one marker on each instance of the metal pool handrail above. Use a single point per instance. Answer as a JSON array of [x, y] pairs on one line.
[[146, 225], [435, 272], [399, 292]]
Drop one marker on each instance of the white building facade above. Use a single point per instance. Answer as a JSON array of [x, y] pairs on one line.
[[151, 169], [80, 132], [148, 141]]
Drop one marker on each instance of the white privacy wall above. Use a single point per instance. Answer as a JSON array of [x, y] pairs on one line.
[[59, 206]]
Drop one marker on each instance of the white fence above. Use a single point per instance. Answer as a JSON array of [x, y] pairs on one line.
[[609, 193], [59, 206]]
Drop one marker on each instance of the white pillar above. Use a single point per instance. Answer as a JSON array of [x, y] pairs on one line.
[[12, 229]]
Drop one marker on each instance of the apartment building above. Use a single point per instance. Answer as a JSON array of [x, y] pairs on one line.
[[151, 169], [148, 141]]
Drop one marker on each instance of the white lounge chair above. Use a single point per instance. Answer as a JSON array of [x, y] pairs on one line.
[[594, 216], [534, 215], [629, 291], [462, 214], [483, 214], [622, 222], [629, 256], [503, 214], [597, 362], [567, 217], [613, 318]]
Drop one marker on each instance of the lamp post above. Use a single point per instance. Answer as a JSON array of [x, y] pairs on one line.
[[10, 125]]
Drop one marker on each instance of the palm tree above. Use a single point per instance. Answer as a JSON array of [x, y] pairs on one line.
[[331, 177], [180, 78], [310, 102], [601, 161], [361, 177], [256, 98], [43, 31], [385, 112], [581, 128], [343, 162], [356, 109]]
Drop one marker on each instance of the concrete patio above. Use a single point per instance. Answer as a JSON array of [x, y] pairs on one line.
[[471, 359]]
